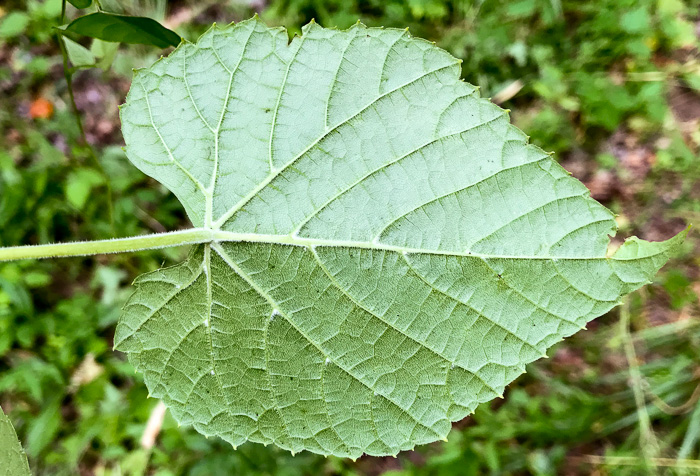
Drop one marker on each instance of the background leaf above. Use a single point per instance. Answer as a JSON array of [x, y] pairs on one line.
[[80, 3], [399, 252], [124, 29], [13, 460], [80, 184], [79, 55], [14, 24], [104, 50]]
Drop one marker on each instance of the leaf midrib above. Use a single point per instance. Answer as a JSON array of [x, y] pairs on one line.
[[224, 236]]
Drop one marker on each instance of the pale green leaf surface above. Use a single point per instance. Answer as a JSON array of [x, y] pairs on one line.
[[79, 55], [396, 252], [13, 460]]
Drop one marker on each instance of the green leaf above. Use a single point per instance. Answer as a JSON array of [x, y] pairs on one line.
[[14, 24], [80, 184], [635, 21], [394, 251], [124, 29], [13, 460], [79, 55], [104, 50], [80, 3], [42, 430]]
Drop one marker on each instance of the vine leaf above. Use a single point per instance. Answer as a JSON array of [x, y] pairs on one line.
[[80, 4], [398, 252], [117, 28], [13, 459]]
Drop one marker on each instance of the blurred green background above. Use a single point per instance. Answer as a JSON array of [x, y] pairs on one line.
[[612, 86]]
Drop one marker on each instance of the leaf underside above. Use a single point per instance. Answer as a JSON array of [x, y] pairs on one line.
[[404, 252], [13, 459]]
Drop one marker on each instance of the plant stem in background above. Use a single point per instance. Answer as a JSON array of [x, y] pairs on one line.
[[647, 439], [68, 74], [632, 461]]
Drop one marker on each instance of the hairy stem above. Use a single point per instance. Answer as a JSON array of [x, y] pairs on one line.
[[208, 235], [119, 245]]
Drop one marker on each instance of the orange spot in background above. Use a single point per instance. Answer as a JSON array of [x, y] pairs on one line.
[[41, 109]]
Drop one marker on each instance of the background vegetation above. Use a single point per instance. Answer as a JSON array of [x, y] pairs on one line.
[[610, 85]]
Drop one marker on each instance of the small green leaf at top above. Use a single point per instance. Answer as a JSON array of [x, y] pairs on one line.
[[124, 29], [80, 3], [397, 252], [105, 51], [79, 56], [13, 459]]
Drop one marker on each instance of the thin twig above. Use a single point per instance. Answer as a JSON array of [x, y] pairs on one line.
[[153, 426], [673, 409], [632, 461], [68, 75], [647, 439]]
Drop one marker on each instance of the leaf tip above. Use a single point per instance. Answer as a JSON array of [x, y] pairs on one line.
[[444, 438]]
